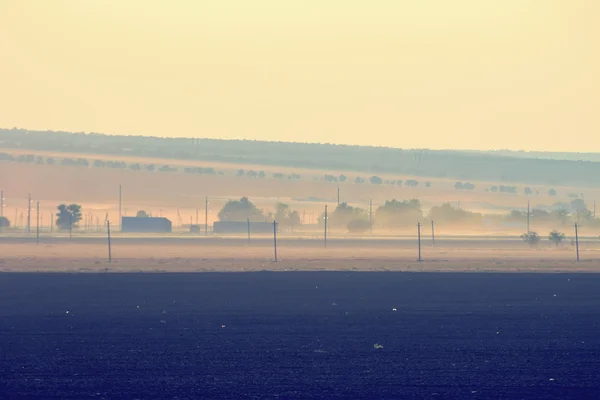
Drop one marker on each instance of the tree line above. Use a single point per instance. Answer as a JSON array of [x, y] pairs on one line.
[[464, 165]]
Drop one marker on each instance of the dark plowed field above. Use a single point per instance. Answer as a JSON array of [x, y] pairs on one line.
[[300, 335]]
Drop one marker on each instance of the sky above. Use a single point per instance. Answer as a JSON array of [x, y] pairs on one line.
[[468, 74]]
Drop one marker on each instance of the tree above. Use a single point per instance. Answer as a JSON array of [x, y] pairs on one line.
[[375, 180], [528, 191], [556, 237], [458, 186], [411, 183], [448, 214], [4, 222], [342, 178], [239, 210], [68, 216], [531, 238], [427, 184], [240, 172], [342, 215], [142, 214], [396, 213], [358, 179], [285, 216], [551, 192]]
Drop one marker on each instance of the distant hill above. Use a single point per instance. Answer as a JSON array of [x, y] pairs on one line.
[[496, 166]]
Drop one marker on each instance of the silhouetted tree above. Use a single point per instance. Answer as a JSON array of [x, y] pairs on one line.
[[68, 216], [239, 210], [142, 214], [375, 180], [4, 222], [396, 213], [556, 237], [531, 238]]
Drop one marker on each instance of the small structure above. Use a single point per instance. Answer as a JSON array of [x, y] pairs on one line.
[[241, 227], [146, 225], [196, 228]]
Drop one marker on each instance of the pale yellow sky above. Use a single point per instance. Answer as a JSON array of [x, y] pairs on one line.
[[475, 74]]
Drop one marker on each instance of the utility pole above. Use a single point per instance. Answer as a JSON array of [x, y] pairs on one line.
[[29, 213], [206, 216], [325, 232], [120, 206], [109, 247], [419, 239], [248, 222], [37, 224], [338, 197], [577, 241], [275, 238]]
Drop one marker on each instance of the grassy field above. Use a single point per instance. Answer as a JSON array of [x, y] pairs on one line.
[[235, 254]]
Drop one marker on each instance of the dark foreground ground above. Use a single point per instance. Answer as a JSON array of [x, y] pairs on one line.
[[300, 335]]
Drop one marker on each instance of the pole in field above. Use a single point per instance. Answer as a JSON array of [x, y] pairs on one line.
[[432, 233], [419, 239], [37, 224], [109, 246], [206, 217], [248, 222], [29, 213], [577, 241], [275, 239], [120, 204], [325, 231]]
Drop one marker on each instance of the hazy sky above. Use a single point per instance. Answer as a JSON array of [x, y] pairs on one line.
[[473, 74]]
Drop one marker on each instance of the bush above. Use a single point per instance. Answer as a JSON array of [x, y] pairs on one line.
[[556, 237], [531, 238], [375, 180]]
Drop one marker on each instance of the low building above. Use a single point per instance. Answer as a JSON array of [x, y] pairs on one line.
[[146, 225], [259, 228]]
